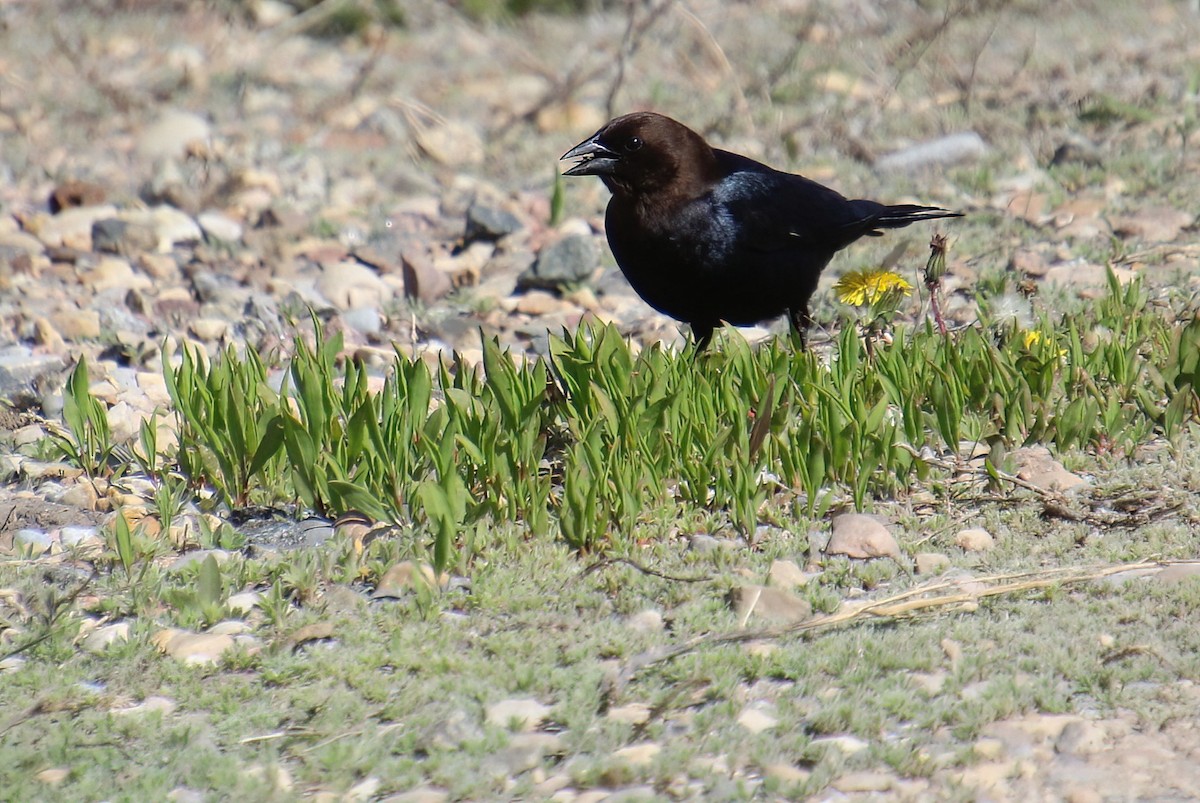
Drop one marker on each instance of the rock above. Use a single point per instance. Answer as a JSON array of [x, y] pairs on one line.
[[1081, 738], [71, 228], [632, 713], [489, 223], [864, 781], [540, 302], [30, 541], [172, 226], [219, 227], [638, 755], [350, 284], [450, 142], [1153, 224], [565, 262], [171, 134], [768, 604], [1035, 465], [703, 543], [75, 193], [405, 576], [422, 279], [931, 562], [755, 720], [114, 272], [522, 714], [153, 704], [243, 603], [787, 773], [859, 536], [53, 776], [364, 320], [974, 539], [209, 329], [846, 745], [123, 237], [786, 574], [421, 794], [648, 621], [1178, 572], [102, 638], [966, 146], [193, 648], [76, 325]]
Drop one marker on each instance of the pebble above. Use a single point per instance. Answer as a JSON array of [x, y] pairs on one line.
[[171, 133], [768, 604], [856, 535], [521, 713], [648, 621], [931, 562], [123, 237], [786, 574], [631, 713], [756, 720], [567, 261], [638, 755], [966, 146], [219, 227], [974, 539], [489, 223], [102, 638]]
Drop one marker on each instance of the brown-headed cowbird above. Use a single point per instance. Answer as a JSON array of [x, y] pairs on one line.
[[707, 236]]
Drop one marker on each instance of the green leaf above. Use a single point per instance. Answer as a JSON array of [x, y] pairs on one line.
[[208, 582]]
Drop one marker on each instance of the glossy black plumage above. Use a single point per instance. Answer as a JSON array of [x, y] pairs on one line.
[[707, 236]]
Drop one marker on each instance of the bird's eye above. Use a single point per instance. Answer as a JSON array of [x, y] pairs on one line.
[[633, 144]]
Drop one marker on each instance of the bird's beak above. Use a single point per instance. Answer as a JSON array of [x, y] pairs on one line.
[[595, 159]]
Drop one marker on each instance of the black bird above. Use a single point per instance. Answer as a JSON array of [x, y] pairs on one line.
[[707, 236]]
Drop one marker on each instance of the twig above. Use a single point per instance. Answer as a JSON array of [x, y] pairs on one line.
[[605, 562], [956, 595]]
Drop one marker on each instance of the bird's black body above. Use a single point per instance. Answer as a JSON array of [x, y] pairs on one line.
[[706, 236]]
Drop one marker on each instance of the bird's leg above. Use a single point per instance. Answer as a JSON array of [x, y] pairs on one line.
[[800, 320], [703, 333]]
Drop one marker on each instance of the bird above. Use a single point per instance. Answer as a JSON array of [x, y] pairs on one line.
[[708, 236]]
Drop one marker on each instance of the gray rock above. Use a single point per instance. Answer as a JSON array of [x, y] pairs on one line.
[[565, 262], [952, 149], [366, 320], [220, 227], [489, 223], [123, 237], [768, 604]]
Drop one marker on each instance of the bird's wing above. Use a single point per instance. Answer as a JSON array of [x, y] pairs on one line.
[[781, 211]]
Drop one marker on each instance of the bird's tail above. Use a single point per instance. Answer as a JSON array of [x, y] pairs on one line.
[[877, 216]]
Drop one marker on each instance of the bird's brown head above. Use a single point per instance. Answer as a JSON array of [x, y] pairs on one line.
[[642, 153]]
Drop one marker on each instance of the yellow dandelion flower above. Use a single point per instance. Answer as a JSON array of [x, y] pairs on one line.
[[1032, 338], [862, 287]]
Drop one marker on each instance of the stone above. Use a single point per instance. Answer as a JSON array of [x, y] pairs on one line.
[[864, 781], [648, 621], [638, 755], [567, 261], [489, 223], [768, 604], [151, 705], [965, 146], [856, 535], [787, 773], [974, 539], [1035, 465], [350, 284], [193, 648], [219, 227], [75, 193], [631, 713], [123, 237], [102, 638], [846, 745], [171, 133], [364, 320], [421, 794], [522, 714], [243, 603], [931, 562], [208, 329], [77, 324], [786, 574], [756, 720], [405, 576], [1081, 738]]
